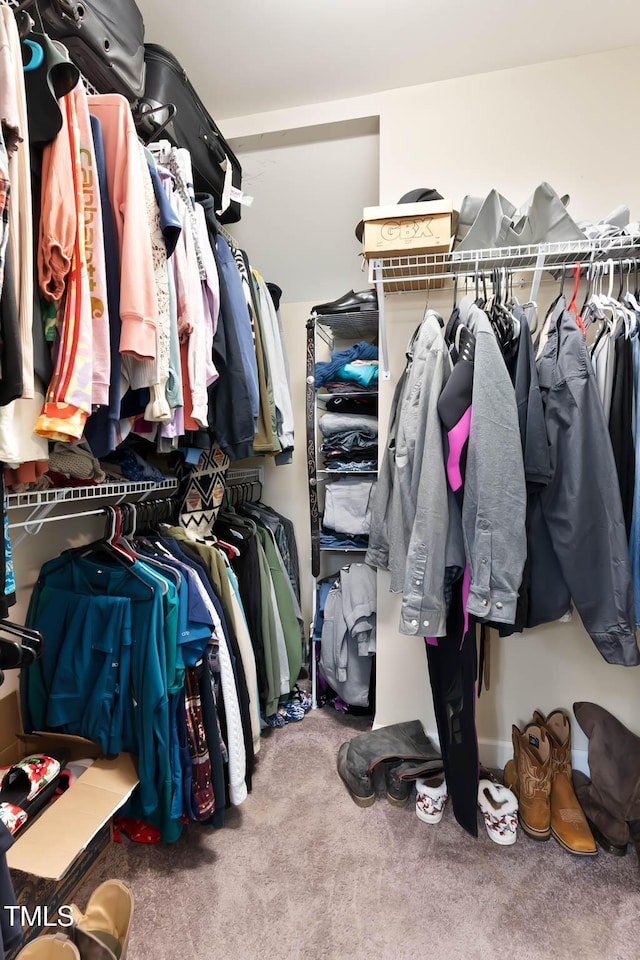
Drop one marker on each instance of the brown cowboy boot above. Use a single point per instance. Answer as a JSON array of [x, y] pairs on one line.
[[568, 823], [529, 776]]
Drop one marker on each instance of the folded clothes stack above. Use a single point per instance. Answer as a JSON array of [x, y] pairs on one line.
[[346, 522], [350, 441], [354, 370]]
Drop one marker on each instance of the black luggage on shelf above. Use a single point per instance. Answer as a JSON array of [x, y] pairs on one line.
[[105, 39], [216, 169]]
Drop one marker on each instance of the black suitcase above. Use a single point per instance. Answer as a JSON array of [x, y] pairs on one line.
[[105, 39], [215, 166]]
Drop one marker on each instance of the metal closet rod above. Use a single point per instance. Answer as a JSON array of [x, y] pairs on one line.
[[62, 516]]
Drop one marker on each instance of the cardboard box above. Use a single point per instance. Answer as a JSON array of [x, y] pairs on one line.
[[53, 854], [33, 892], [407, 229]]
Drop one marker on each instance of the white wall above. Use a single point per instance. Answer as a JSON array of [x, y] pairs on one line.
[[434, 136], [318, 189], [556, 121]]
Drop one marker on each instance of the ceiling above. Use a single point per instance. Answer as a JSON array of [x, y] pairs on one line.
[[251, 56]]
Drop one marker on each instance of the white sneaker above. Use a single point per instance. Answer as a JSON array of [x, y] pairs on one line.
[[499, 807], [430, 801]]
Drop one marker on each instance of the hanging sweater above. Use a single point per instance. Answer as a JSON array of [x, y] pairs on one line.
[[138, 307]]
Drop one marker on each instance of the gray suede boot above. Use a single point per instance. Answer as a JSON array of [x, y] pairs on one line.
[[358, 757]]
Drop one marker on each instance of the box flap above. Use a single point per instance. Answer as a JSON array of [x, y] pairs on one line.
[[10, 725], [58, 745], [50, 845], [392, 211]]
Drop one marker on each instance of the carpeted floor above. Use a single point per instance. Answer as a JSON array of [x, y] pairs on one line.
[[301, 872]]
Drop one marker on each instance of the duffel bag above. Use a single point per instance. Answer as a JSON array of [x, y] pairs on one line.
[[105, 39], [216, 169]]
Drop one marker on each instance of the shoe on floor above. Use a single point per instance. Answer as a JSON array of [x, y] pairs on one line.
[[359, 785], [568, 823], [57, 947], [611, 798], [431, 799], [528, 775], [499, 807], [102, 931], [398, 790], [350, 302]]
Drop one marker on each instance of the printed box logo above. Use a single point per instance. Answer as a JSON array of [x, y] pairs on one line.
[[39, 916], [405, 229]]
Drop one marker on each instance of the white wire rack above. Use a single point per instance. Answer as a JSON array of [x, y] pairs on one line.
[[233, 243], [347, 326], [38, 498], [410, 273], [247, 475], [43, 502], [413, 274]]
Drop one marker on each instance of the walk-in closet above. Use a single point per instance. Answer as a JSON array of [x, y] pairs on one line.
[[320, 480]]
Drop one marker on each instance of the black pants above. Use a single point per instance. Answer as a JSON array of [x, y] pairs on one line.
[[452, 672]]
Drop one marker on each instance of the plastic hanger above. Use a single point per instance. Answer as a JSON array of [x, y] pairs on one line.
[[107, 546], [37, 55], [156, 131]]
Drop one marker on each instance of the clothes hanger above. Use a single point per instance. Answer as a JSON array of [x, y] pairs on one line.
[[37, 55], [111, 550], [155, 133], [572, 303]]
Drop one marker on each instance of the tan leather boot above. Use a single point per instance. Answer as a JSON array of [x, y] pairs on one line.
[[102, 932], [529, 776], [568, 823]]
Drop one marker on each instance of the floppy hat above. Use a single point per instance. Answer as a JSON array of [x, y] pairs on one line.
[[419, 195]]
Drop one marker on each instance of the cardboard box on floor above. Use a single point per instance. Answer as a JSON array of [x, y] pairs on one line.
[[53, 855]]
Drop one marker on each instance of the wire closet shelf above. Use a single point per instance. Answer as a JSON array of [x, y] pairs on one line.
[[409, 274]]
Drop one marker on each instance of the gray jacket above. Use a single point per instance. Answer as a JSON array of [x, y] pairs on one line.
[[410, 521], [495, 496], [577, 533], [349, 634]]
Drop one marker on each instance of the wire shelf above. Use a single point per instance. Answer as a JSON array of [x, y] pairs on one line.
[[38, 498], [246, 475], [347, 326], [351, 394], [346, 473], [414, 273], [343, 549]]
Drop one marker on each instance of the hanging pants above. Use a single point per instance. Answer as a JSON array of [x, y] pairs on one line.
[[452, 664]]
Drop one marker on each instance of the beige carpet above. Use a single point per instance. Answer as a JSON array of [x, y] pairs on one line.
[[301, 873]]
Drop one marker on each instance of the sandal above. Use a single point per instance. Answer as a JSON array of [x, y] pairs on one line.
[[26, 788], [499, 808], [14, 818]]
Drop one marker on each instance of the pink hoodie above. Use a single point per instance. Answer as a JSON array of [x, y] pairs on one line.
[[138, 308]]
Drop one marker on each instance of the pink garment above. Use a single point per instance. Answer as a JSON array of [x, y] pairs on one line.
[[58, 216], [94, 253], [138, 309]]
